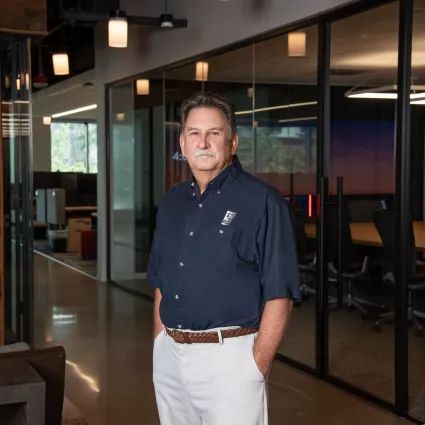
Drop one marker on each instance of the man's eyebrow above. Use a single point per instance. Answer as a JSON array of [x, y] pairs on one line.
[[211, 129]]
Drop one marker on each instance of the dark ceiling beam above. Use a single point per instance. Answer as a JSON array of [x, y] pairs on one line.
[[80, 16]]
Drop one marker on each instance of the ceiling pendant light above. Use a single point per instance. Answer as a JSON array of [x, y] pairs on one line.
[[60, 64], [142, 87], [47, 120], [297, 44], [166, 18], [202, 71], [118, 29]]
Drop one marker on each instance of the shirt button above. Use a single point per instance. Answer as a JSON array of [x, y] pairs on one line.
[[181, 264], [193, 184], [200, 205], [179, 326], [221, 231], [177, 297], [193, 194], [218, 192], [191, 233]]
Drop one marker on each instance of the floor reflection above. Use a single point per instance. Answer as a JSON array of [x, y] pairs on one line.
[[107, 334]]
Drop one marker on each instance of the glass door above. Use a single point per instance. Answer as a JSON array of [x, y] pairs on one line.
[[358, 190], [18, 208]]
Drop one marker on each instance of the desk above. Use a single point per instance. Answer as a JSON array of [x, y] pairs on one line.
[[71, 210], [78, 219], [367, 234]]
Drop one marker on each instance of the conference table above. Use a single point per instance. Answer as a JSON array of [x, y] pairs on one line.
[[367, 234]]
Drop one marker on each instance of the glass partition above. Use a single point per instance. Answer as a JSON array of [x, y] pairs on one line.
[[16, 201], [179, 84], [360, 214], [285, 128], [232, 75], [137, 151], [273, 85], [416, 307], [123, 175]]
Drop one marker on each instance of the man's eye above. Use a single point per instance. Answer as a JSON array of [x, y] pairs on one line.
[[193, 133], [215, 133]]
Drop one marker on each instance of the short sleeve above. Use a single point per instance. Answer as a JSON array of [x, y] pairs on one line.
[[152, 276], [276, 252]]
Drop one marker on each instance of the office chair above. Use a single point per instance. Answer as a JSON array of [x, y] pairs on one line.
[[362, 210], [385, 223], [306, 259], [352, 270]]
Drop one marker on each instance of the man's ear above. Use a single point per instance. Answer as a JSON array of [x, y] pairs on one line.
[[235, 142], [182, 144]]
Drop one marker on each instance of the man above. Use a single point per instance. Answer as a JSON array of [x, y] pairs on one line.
[[224, 266]]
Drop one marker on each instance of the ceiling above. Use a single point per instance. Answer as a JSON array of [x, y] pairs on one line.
[[77, 41], [68, 95], [364, 51]]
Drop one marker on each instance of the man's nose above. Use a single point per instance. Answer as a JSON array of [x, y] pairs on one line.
[[203, 142]]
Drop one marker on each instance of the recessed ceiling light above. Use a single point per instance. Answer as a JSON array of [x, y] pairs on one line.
[[74, 111], [297, 44], [142, 87]]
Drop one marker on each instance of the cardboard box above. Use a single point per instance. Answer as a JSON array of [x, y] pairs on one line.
[[75, 226]]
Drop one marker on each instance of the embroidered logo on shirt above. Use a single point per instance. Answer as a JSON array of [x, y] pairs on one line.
[[228, 218]]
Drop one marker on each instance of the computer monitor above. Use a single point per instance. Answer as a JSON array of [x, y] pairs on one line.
[[362, 210]]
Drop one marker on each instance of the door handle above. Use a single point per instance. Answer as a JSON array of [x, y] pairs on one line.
[[340, 196]]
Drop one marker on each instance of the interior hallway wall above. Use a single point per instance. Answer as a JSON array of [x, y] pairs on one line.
[[42, 158], [211, 25]]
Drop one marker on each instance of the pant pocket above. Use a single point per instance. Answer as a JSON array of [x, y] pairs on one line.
[[257, 370]]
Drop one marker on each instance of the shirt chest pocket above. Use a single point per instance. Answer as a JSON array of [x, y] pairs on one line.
[[217, 250]]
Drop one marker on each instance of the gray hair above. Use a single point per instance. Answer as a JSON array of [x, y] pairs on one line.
[[209, 100]]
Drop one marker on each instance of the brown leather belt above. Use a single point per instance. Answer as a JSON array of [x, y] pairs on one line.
[[208, 337]]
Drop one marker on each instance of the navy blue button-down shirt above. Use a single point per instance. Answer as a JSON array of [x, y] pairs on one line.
[[217, 258]]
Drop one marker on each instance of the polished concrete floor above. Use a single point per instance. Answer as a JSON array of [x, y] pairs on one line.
[[107, 334]]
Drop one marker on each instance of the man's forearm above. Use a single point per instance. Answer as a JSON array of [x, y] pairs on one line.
[[272, 329], [157, 324]]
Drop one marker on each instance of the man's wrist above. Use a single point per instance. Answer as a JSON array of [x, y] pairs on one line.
[[263, 361], [157, 330]]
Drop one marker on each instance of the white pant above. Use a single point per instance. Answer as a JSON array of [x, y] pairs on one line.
[[208, 384]]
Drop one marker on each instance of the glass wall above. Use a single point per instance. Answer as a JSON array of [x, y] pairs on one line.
[[136, 138], [362, 184], [416, 288], [17, 209], [122, 172], [273, 85], [284, 146], [179, 83]]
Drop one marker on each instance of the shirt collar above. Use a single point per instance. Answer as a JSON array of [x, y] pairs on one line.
[[233, 170]]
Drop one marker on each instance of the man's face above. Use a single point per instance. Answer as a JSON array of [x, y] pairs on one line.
[[206, 142]]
